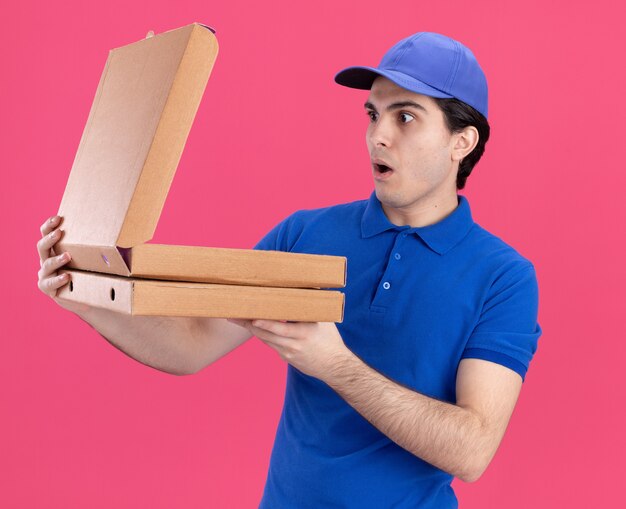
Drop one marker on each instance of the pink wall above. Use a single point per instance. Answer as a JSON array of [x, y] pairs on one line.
[[82, 425]]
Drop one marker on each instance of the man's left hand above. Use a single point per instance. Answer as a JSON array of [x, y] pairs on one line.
[[315, 348]]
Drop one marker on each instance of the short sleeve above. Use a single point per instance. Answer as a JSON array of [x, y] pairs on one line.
[[278, 238], [270, 240], [507, 331]]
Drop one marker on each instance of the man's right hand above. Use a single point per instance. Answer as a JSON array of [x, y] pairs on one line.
[[49, 281]]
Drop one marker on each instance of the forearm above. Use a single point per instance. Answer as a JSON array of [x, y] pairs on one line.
[[164, 343], [447, 436], [458, 438]]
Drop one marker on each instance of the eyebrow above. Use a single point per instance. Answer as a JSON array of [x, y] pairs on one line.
[[398, 105]]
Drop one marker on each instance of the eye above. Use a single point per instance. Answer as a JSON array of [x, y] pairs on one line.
[[372, 115], [405, 118]]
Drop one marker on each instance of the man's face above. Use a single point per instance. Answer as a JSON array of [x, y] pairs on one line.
[[407, 133]]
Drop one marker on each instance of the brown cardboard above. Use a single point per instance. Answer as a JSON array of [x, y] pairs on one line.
[[237, 266], [168, 298], [141, 115]]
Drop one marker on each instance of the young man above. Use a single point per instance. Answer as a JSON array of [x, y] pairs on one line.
[[418, 383]]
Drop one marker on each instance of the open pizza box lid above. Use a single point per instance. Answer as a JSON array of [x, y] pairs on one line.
[[139, 121]]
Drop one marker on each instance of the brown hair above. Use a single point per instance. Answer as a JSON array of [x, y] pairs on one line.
[[459, 115]]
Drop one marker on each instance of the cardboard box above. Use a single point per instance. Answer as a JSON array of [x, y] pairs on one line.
[[169, 298], [141, 115]]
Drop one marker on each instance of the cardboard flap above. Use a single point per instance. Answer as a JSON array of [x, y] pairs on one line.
[[139, 121]]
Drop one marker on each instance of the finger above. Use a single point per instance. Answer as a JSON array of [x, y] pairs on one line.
[[291, 330], [262, 334], [46, 242], [238, 321], [271, 338], [49, 225], [284, 353], [51, 284], [52, 264]]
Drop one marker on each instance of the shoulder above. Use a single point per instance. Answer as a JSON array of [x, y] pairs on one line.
[[310, 224], [498, 268], [500, 255]]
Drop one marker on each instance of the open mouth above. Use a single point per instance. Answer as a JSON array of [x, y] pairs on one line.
[[381, 170]]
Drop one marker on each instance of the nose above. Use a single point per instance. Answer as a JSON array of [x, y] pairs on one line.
[[380, 132]]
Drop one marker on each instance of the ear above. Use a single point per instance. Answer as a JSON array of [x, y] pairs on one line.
[[464, 142]]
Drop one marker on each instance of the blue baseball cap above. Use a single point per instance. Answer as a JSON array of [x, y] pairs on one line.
[[426, 63]]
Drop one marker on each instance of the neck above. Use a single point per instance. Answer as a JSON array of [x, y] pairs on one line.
[[423, 213]]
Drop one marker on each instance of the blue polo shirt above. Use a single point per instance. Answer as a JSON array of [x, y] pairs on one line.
[[417, 301]]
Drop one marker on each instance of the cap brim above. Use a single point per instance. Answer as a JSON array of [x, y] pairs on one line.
[[362, 78]]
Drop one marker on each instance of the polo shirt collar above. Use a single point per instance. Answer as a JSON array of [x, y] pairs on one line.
[[440, 237]]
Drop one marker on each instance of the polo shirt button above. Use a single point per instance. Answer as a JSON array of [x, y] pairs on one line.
[[397, 256], [386, 285]]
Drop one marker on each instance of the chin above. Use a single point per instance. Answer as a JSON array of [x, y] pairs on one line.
[[393, 199]]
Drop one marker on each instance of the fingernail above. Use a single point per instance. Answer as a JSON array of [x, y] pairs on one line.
[[54, 219], [64, 276]]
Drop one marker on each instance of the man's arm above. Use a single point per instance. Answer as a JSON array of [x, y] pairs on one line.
[[176, 345], [460, 438]]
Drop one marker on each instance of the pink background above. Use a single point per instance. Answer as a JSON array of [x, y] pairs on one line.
[[82, 425]]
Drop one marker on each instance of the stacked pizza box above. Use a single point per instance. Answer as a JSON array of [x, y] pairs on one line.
[[142, 113]]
